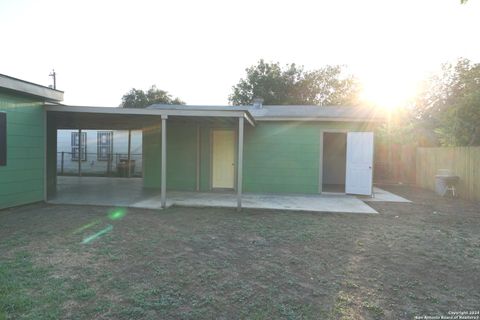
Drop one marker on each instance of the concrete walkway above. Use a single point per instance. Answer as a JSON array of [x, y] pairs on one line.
[[124, 192]]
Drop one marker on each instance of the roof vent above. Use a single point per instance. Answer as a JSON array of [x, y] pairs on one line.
[[258, 103]]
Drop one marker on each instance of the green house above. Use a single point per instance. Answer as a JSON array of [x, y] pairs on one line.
[[254, 149], [23, 140]]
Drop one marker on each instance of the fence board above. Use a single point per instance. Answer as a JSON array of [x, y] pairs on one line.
[[461, 161]]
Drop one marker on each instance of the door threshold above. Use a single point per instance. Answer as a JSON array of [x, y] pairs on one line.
[[334, 193]]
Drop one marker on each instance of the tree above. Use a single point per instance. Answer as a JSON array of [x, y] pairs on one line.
[[450, 104], [293, 85], [140, 99]]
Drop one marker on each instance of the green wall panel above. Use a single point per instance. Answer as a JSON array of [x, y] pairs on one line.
[[181, 156], [22, 179], [205, 156], [281, 157], [151, 141]]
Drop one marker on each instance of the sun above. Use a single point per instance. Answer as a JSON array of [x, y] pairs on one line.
[[388, 90]]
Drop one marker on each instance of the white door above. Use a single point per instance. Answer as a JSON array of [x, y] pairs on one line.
[[223, 159], [359, 163]]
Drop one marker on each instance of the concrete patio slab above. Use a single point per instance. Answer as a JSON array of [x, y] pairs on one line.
[[312, 203], [124, 192], [380, 195]]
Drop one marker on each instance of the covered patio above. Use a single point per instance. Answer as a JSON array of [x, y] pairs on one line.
[[154, 124], [129, 192]]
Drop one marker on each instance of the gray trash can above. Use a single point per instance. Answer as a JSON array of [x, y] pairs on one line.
[[445, 181], [440, 183]]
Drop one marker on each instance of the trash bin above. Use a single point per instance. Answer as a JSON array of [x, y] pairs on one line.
[[122, 167], [445, 181], [440, 185]]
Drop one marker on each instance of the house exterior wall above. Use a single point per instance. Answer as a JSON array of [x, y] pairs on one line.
[[22, 179], [279, 156], [92, 165], [151, 142]]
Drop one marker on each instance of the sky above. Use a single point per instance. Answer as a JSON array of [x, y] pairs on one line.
[[197, 50]]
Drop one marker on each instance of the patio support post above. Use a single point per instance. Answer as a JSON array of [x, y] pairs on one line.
[[79, 152], [163, 191], [197, 167], [129, 152], [240, 163], [63, 157]]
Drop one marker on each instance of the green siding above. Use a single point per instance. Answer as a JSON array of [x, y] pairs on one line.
[[22, 179], [205, 156], [279, 157], [151, 157], [181, 156], [284, 157]]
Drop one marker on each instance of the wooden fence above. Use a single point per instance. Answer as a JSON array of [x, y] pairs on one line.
[[394, 164], [461, 161]]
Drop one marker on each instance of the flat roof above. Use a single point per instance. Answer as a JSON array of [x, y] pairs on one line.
[[317, 113], [93, 117], [30, 89], [292, 112], [170, 112]]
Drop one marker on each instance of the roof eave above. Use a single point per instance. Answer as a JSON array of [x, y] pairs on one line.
[[30, 89], [336, 119], [154, 112]]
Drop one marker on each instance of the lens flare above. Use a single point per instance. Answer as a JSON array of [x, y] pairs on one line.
[[86, 226], [117, 214], [98, 234]]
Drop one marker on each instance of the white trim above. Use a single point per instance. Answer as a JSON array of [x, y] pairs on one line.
[[45, 158], [163, 169], [240, 163]]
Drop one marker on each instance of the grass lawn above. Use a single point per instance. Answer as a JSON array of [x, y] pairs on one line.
[[82, 262]]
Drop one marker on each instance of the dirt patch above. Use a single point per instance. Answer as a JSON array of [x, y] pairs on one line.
[[419, 258]]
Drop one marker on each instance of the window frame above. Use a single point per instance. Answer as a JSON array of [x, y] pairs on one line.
[[108, 144], [75, 145]]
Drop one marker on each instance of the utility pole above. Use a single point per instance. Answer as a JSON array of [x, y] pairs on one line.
[[54, 76]]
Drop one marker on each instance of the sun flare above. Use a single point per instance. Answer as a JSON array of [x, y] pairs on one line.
[[391, 90]]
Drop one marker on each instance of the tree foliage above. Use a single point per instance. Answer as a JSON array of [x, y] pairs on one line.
[[296, 86], [140, 99], [450, 104]]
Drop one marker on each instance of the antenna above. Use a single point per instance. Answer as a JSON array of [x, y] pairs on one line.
[[54, 76]]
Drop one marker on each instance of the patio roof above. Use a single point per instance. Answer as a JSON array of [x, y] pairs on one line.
[[84, 117], [290, 112]]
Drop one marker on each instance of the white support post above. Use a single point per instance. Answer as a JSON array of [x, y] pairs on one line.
[[129, 152], [80, 152], [163, 191], [197, 180], [240, 163]]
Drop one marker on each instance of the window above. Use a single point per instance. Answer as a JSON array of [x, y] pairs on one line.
[[104, 145], [3, 139], [75, 146]]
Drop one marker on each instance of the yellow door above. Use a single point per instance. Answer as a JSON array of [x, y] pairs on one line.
[[223, 159]]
